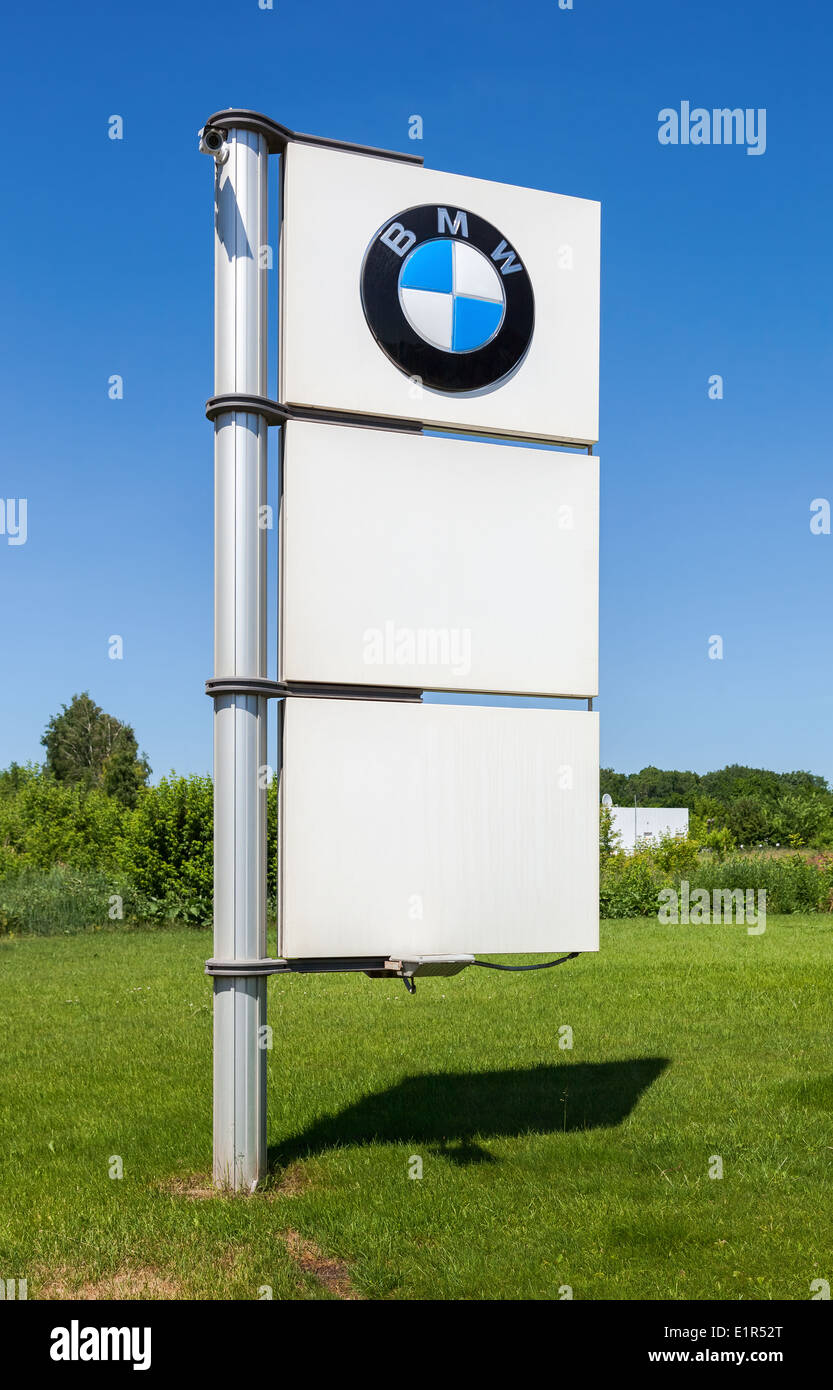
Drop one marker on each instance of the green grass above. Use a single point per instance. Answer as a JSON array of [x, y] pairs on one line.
[[542, 1167], [60, 901]]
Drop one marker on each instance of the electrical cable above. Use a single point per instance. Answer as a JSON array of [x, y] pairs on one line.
[[543, 965]]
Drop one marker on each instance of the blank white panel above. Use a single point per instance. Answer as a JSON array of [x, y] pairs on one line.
[[437, 829], [336, 202], [437, 564]]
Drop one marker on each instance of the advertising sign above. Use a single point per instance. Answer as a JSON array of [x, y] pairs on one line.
[[437, 564], [462, 303], [410, 828]]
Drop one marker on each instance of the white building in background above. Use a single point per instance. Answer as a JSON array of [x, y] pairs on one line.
[[649, 823]]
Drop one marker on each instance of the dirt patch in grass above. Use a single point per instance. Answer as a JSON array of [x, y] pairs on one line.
[[294, 1180], [197, 1188], [332, 1274], [128, 1282]]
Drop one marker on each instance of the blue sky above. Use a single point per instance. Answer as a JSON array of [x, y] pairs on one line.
[[714, 261]]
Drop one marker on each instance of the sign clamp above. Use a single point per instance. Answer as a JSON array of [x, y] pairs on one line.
[[375, 967], [276, 413], [278, 136], [403, 967], [280, 690]]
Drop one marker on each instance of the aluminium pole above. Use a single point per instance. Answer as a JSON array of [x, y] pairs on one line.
[[240, 463]]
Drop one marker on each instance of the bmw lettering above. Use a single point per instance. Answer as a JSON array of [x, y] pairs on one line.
[[447, 298]]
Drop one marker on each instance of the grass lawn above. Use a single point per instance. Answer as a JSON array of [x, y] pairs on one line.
[[542, 1167]]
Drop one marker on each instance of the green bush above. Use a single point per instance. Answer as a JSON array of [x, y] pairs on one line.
[[792, 884], [672, 855], [159, 854], [801, 820], [630, 883], [628, 886], [168, 846], [44, 822], [718, 839]]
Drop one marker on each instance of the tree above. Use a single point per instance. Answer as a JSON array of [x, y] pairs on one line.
[[651, 787], [802, 820], [84, 745], [615, 784], [748, 820], [16, 776]]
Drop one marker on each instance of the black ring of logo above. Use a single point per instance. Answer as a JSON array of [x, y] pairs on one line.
[[445, 371]]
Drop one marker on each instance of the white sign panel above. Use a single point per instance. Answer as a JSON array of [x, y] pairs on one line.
[[437, 564], [413, 294], [436, 829]]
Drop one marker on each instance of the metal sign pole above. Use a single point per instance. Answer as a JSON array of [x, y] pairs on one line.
[[240, 454]]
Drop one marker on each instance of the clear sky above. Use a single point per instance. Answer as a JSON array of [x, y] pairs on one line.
[[714, 262]]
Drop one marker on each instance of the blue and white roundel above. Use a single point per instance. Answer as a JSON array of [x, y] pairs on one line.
[[451, 295], [447, 298]]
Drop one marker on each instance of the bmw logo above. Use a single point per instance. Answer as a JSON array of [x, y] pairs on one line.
[[447, 298]]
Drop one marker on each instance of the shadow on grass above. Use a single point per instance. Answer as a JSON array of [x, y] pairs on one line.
[[448, 1112]]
